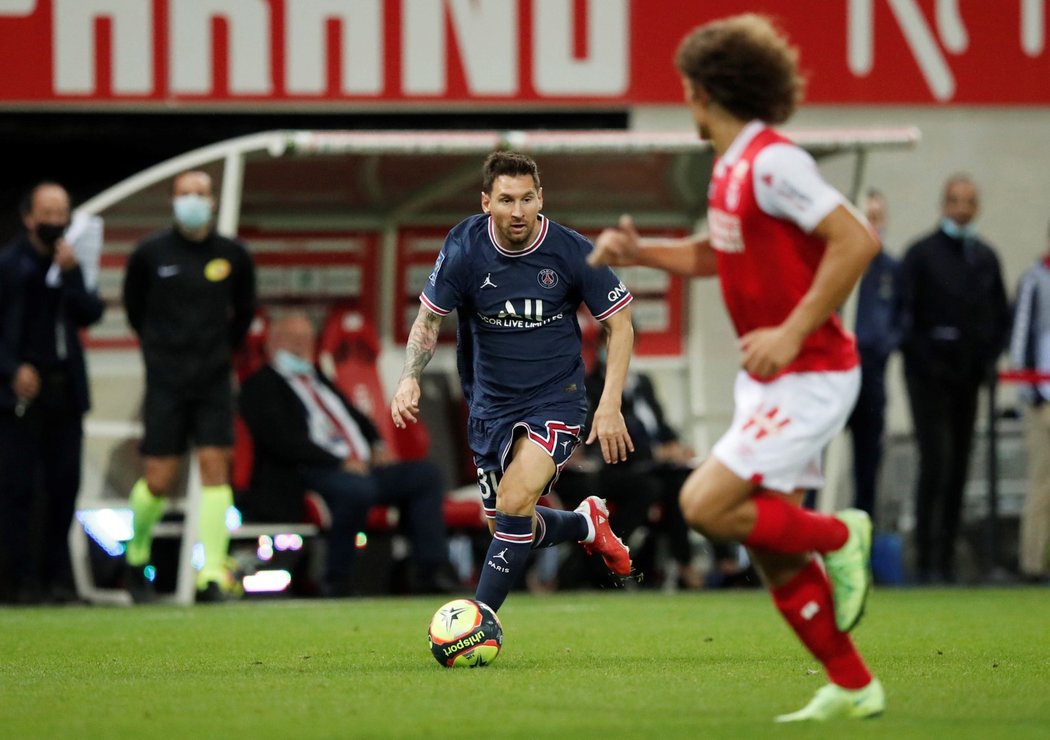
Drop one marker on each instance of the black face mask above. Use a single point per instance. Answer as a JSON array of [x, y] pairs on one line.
[[49, 234]]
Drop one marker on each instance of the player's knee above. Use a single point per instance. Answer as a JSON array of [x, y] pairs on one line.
[[700, 514], [159, 483], [515, 501]]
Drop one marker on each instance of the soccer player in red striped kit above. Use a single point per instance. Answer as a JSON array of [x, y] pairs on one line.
[[787, 249]]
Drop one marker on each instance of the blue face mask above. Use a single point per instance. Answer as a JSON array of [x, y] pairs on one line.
[[289, 364], [956, 231], [192, 211]]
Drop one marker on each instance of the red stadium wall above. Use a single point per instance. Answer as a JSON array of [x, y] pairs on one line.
[[274, 54]]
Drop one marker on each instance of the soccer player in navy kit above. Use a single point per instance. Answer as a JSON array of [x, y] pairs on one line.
[[516, 280]]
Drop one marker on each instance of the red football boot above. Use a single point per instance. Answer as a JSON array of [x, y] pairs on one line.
[[600, 537]]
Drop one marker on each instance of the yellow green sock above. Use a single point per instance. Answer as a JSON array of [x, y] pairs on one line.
[[213, 534], [146, 511]]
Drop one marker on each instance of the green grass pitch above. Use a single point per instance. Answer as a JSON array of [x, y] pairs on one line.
[[956, 663]]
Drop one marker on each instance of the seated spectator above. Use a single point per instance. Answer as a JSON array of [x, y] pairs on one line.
[[644, 489], [307, 436]]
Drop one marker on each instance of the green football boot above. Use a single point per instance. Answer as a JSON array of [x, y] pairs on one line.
[[835, 702], [849, 569]]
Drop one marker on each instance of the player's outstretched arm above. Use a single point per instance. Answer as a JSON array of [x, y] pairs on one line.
[[608, 426], [690, 257], [422, 343], [850, 247]]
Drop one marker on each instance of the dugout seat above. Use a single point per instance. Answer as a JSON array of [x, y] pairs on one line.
[[251, 355], [248, 358], [349, 346]]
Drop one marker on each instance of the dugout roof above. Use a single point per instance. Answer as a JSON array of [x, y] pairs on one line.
[[379, 180]]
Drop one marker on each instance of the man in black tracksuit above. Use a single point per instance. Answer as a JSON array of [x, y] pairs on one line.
[[956, 321], [189, 293]]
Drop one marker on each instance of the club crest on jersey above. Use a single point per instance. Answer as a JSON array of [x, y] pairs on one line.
[[217, 270], [437, 268], [547, 277]]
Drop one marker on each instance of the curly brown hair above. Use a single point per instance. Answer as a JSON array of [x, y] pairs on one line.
[[746, 65], [507, 163]]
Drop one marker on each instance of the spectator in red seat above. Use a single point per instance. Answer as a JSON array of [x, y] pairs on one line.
[[307, 436]]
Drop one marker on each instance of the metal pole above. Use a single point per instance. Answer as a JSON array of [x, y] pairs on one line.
[[992, 520]]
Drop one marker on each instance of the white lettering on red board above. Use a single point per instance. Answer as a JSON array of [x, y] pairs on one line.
[[485, 36]]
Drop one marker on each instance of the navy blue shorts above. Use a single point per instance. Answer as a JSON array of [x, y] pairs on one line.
[[556, 429]]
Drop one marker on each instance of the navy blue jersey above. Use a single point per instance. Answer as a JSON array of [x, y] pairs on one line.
[[519, 340]]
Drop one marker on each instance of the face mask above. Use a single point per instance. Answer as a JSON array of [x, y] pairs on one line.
[[192, 211], [955, 231], [289, 364], [49, 234]]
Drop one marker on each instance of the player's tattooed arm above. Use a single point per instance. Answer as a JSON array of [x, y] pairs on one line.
[[422, 342]]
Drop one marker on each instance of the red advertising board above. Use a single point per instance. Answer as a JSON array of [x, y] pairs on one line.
[[275, 54]]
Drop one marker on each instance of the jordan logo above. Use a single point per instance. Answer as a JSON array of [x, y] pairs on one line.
[[487, 283], [502, 555]]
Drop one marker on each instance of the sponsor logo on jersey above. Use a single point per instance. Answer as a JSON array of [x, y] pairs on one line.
[[217, 270], [167, 271], [724, 228], [437, 268], [547, 277], [793, 195], [618, 292], [527, 315], [486, 283]]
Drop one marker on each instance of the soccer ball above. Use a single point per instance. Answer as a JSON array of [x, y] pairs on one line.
[[465, 633]]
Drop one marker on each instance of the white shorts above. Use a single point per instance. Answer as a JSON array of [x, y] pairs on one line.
[[780, 429]]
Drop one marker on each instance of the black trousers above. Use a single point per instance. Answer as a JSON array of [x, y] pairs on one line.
[[40, 457], [943, 414], [866, 424], [415, 487]]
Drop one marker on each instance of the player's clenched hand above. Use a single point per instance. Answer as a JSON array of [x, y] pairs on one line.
[[405, 406], [610, 430], [616, 247], [765, 352]]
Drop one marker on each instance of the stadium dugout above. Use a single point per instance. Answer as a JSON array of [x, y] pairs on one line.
[[352, 221]]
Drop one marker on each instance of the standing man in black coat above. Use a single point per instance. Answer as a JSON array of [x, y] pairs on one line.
[[956, 323], [189, 294], [878, 329], [308, 436], [43, 393]]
